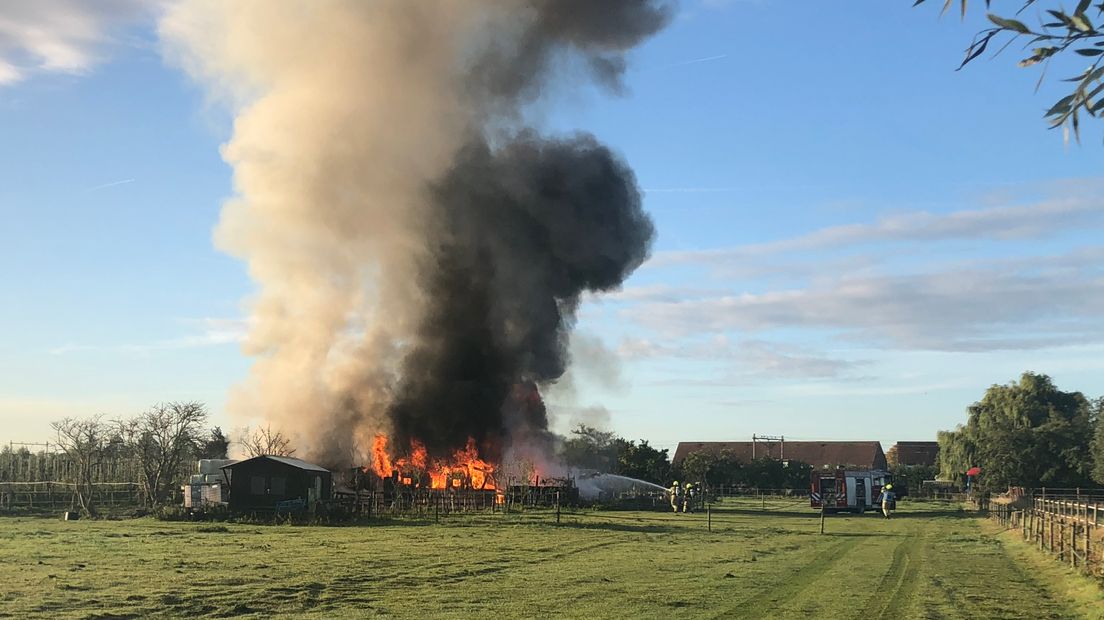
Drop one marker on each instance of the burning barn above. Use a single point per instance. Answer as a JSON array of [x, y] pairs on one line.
[[460, 482], [277, 484], [421, 249]]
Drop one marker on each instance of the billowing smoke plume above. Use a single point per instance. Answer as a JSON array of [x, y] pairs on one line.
[[419, 252]]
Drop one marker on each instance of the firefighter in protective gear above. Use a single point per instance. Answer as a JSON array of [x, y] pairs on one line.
[[888, 499], [676, 496], [688, 497]]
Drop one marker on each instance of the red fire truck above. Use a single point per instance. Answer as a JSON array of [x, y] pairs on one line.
[[846, 490]]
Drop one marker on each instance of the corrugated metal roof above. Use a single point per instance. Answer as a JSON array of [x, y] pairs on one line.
[[815, 453], [286, 460]]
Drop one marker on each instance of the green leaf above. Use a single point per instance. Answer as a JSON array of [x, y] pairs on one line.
[[1079, 22], [1061, 107], [1009, 24], [1038, 55], [1082, 7], [977, 47], [1061, 17], [1089, 52]]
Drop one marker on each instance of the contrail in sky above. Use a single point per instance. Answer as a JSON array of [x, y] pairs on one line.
[[697, 60], [111, 184]]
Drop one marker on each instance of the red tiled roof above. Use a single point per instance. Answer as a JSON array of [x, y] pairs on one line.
[[816, 453], [915, 452]]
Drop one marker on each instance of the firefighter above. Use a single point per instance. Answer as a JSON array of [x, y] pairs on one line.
[[676, 496], [688, 497], [888, 499]]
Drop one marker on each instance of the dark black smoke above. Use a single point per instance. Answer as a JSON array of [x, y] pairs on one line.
[[514, 69], [524, 229]]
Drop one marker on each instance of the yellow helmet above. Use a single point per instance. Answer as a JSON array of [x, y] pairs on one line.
[[889, 486], [675, 483]]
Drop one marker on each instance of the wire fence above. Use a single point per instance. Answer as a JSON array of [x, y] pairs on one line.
[[46, 496], [1067, 527], [25, 466]]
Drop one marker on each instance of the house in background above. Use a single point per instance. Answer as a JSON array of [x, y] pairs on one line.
[[911, 453], [819, 454], [277, 484]]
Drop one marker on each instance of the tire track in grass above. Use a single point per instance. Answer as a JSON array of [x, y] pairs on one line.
[[763, 603], [900, 581]]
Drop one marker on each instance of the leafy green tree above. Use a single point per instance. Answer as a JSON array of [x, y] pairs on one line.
[[768, 473], [1058, 34], [912, 476], [1098, 440], [640, 460], [214, 446], [1023, 434], [590, 448], [956, 454], [714, 468]]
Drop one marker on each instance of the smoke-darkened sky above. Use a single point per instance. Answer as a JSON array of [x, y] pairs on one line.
[[836, 235]]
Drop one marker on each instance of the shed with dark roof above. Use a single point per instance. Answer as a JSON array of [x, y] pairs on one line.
[[819, 454], [277, 484]]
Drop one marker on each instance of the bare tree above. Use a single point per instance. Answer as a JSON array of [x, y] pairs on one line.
[[83, 441], [265, 442], [162, 438]]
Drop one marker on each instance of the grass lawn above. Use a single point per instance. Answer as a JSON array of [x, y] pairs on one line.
[[759, 561]]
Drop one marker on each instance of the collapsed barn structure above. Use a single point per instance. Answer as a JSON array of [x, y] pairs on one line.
[[413, 490]]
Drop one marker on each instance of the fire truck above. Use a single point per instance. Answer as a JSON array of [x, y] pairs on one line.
[[847, 490]]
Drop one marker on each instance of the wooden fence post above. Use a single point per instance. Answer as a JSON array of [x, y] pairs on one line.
[[1050, 532]]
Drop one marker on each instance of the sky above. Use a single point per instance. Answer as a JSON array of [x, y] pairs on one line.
[[854, 240]]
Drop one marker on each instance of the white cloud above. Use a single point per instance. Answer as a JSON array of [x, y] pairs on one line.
[[1027, 303], [904, 281], [213, 332], [64, 36], [744, 360], [1009, 222]]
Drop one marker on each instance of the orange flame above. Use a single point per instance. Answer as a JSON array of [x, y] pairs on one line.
[[417, 454], [465, 468], [381, 463]]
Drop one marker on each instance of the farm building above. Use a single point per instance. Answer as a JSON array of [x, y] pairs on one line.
[[913, 453], [277, 483], [819, 454]]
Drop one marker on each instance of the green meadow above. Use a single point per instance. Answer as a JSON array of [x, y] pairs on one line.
[[759, 560]]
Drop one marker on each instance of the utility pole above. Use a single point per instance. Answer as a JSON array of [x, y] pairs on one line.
[[768, 439]]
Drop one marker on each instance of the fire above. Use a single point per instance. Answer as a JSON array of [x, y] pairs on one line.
[[464, 469], [381, 463]]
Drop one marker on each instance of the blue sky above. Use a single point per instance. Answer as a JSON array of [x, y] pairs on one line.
[[854, 240]]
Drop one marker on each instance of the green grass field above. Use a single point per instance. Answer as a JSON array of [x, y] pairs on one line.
[[928, 562]]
